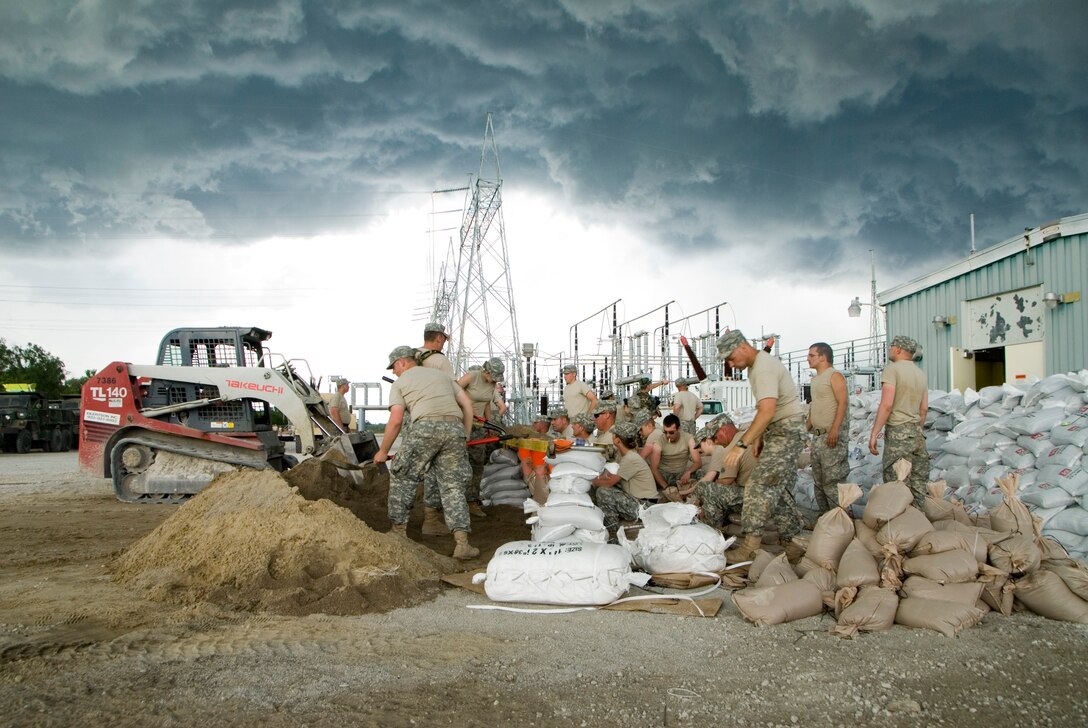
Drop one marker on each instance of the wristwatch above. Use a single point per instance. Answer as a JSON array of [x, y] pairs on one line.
[[741, 445]]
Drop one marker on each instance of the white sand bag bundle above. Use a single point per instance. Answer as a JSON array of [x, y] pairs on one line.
[[833, 532], [592, 459], [576, 469], [888, 500], [873, 610], [1017, 555], [1071, 432], [967, 593], [1045, 593], [568, 573], [779, 604], [569, 499], [1037, 445], [500, 471], [857, 567], [1065, 456], [579, 516], [503, 456], [1045, 495], [569, 484], [948, 618], [950, 567], [777, 572], [562, 532], [1074, 520], [672, 541]]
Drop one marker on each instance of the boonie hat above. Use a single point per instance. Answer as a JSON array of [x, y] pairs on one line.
[[605, 406], [434, 326], [495, 368], [905, 343], [728, 342], [401, 352]]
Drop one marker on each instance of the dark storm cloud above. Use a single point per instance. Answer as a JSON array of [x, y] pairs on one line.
[[825, 127]]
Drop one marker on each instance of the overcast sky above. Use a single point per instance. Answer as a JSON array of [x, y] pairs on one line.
[[272, 163]]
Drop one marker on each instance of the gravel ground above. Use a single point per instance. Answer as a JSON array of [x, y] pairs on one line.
[[78, 649]]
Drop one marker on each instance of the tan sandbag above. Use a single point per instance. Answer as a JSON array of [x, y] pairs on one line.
[[867, 536], [997, 589], [857, 567], [777, 572], [873, 611], [888, 500], [1072, 572], [825, 579], [1051, 549], [891, 568], [834, 530], [948, 618], [760, 560], [778, 604], [967, 592], [905, 529], [1044, 592], [1017, 555], [950, 567], [844, 598], [936, 507], [937, 542], [982, 607], [987, 534], [1012, 516], [960, 514]]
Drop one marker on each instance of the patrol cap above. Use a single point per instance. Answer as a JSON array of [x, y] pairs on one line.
[[641, 418], [905, 343], [340, 381], [705, 433], [607, 394], [728, 342], [604, 406], [559, 413], [495, 368], [625, 430], [570, 368], [643, 381], [686, 381], [718, 423], [434, 326], [585, 420], [401, 352]]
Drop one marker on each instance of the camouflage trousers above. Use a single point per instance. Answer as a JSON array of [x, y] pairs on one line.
[[830, 466], [617, 505], [717, 501], [769, 492], [688, 426], [431, 448], [477, 456], [906, 442]]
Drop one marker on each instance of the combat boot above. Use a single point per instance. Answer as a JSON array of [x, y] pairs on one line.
[[433, 523], [752, 543], [794, 551], [401, 528], [463, 550], [476, 509]]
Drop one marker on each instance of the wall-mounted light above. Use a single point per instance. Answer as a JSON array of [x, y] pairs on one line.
[[1052, 299], [940, 322]]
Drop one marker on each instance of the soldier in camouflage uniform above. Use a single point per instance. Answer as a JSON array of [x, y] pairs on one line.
[[642, 400], [780, 423], [441, 418], [621, 495], [479, 383], [829, 423], [904, 402]]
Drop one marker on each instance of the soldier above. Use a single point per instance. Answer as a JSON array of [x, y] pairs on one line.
[[561, 428], [582, 426], [673, 457], [604, 415], [829, 424], [686, 405], [441, 418], [430, 355], [780, 422], [577, 396], [904, 401], [634, 478], [720, 489], [479, 384], [642, 399], [339, 409]]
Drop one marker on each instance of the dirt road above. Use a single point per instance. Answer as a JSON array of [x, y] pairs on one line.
[[78, 649]]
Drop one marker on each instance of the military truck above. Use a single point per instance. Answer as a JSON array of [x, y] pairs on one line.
[[28, 420]]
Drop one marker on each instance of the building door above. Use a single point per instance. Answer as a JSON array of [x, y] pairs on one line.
[[989, 367]]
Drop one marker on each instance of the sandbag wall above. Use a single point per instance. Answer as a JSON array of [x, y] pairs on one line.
[[569, 513], [502, 483]]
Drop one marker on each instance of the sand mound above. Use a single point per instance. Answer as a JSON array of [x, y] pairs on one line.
[[251, 541]]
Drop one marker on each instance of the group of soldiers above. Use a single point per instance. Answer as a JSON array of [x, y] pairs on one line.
[[719, 468]]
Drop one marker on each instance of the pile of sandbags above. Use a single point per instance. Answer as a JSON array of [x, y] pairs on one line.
[[502, 483], [942, 568], [568, 513]]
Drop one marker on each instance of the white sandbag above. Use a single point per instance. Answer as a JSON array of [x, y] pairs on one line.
[[494, 487], [664, 516], [957, 477], [974, 427], [992, 497], [1071, 480], [589, 459], [993, 440], [508, 498], [589, 535], [677, 550], [569, 484], [1074, 432], [962, 446], [500, 471], [990, 395], [571, 573], [1069, 540], [947, 460], [551, 533], [1011, 396], [1074, 520], [1046, 514], [1038, 422], [503, 456], [569, 499], [1044, 495], [1018, 457], [1035, 444], [1065, 456], [1027, 476], [564, 469], [984, 457], [574, 515]]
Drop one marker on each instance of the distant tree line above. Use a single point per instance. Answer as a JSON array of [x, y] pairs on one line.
[[31, 364]]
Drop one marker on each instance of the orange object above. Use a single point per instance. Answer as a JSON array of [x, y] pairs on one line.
[[536, 457]]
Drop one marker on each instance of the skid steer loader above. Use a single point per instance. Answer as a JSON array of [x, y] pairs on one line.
[[163, 432]]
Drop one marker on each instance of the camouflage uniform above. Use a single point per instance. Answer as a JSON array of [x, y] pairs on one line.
[[906, 442], [436, 446], [617, 505], [769, 493], [717, 501], [830, 467], [640, 401], [477, 457]]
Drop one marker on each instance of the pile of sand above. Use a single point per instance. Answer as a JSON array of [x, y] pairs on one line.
[[252, 541]]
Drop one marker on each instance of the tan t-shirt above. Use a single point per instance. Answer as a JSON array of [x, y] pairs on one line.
[[742, 471], [910, 384], [675, 456], [824, 406], [636, 478], [688, 402], [480, 392], [769, 378], [339, 402], [575, 398], [426, 394], [438, 361]]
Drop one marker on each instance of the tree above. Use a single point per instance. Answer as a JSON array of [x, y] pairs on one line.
[[31, 364], [74, 385]]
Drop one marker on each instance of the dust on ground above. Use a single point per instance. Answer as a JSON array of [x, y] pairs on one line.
[[78, 647]]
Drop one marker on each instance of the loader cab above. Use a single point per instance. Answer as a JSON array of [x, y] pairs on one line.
[[225, 346]]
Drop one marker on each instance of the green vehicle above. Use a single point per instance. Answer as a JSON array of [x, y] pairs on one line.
[[28, 420]]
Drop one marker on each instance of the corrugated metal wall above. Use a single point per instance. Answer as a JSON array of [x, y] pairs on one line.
[[1060, 266]]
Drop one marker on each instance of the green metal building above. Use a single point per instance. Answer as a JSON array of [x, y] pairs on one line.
[[1009, 313]]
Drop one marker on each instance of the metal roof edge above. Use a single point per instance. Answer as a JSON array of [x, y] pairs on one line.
[[1064, 227]]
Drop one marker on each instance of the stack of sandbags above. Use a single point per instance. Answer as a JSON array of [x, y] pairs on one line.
[[566, 517], [674, 541], [502, 483]]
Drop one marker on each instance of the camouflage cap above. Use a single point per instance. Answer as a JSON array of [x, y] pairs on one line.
[[401, 352], [585, 420], [641, 418], [607, 394], [625, 430], [495, 368], [435, 327], [705, 433], [556, 414], [643, 381], [905, 343], [728, 342], [718, 423], [570, 369], [604, 406], [686, 381], [341, 381]]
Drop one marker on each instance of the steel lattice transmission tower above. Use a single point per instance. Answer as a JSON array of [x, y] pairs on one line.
[[481, 316]]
